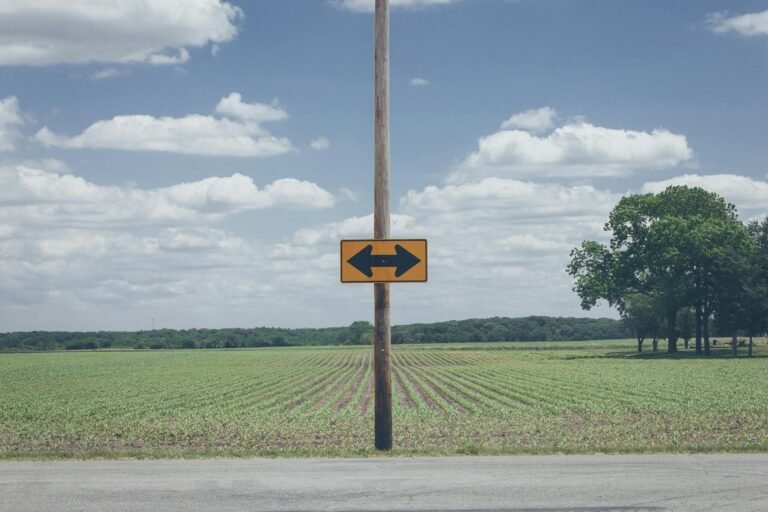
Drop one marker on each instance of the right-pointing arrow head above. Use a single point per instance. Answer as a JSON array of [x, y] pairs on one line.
[[405, 260]]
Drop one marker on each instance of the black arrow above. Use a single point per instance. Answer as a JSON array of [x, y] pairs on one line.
[[365, 260]]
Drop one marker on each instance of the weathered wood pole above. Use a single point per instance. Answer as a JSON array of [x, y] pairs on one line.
[[382, 357]]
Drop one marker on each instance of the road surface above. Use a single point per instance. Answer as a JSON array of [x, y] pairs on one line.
[[732, 483]]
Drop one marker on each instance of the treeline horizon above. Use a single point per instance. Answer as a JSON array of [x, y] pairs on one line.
[[494, 329]]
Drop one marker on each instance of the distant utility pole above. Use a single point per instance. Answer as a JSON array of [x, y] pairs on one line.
[[382, 356]]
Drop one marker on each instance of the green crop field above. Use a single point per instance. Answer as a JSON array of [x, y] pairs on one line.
[[489, 398]]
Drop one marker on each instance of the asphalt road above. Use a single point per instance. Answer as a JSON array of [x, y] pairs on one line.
[[698, 483]]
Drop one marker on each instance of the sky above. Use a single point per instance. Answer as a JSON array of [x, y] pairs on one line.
[[197, 162]]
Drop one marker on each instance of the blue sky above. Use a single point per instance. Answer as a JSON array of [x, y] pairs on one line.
[[199, 165]]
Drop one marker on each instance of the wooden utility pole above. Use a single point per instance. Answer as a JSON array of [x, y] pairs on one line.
[[382, 357]]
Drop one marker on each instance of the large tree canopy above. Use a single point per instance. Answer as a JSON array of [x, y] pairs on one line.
[[670, 246]]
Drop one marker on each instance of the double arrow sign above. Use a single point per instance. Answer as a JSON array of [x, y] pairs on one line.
[[383, 261]]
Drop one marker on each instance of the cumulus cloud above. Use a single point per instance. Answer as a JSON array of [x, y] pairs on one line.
[[419, 82], [320, 144], [239, 133], [39, 195], [522, 199], [171, 59], [48, 32], [233, 106], [749, 25], [745, 193], [536, 120], [79, 247], [368, 5], [576, 149], [10, 120]]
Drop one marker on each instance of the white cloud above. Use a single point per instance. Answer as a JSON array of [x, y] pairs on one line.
[[523, 201], [233, 106], [368, 5], [97, 270], [107, 73], [536, 120], [160, 59], [98, 251], [360, 227], [10, 120], [419, 82], [47, 32], [749, 25], [575, 149], [193, 134], [197, 239], [320, 144], [744, 192], [44, 196]]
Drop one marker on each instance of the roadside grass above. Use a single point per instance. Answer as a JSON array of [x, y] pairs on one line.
[[495, 398]]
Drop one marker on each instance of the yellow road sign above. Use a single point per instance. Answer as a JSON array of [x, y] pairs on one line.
[[383, 261]]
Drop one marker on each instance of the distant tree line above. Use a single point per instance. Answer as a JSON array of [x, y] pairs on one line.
[[678, 265], [534, 328]]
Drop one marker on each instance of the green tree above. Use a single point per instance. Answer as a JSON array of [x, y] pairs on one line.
[[756, 288], [360, 333], [710, 242], [660, 246], [641, 313], [686, 324], [732, 296]]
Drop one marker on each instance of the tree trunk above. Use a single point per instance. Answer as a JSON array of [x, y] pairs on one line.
[[749, 353], [734, 346], [686, 340], [672, 331], [655, 344], [698, 328], [705, 325], [640, 344]]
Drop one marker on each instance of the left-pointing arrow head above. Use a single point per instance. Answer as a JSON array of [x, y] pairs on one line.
[[363, 260]]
